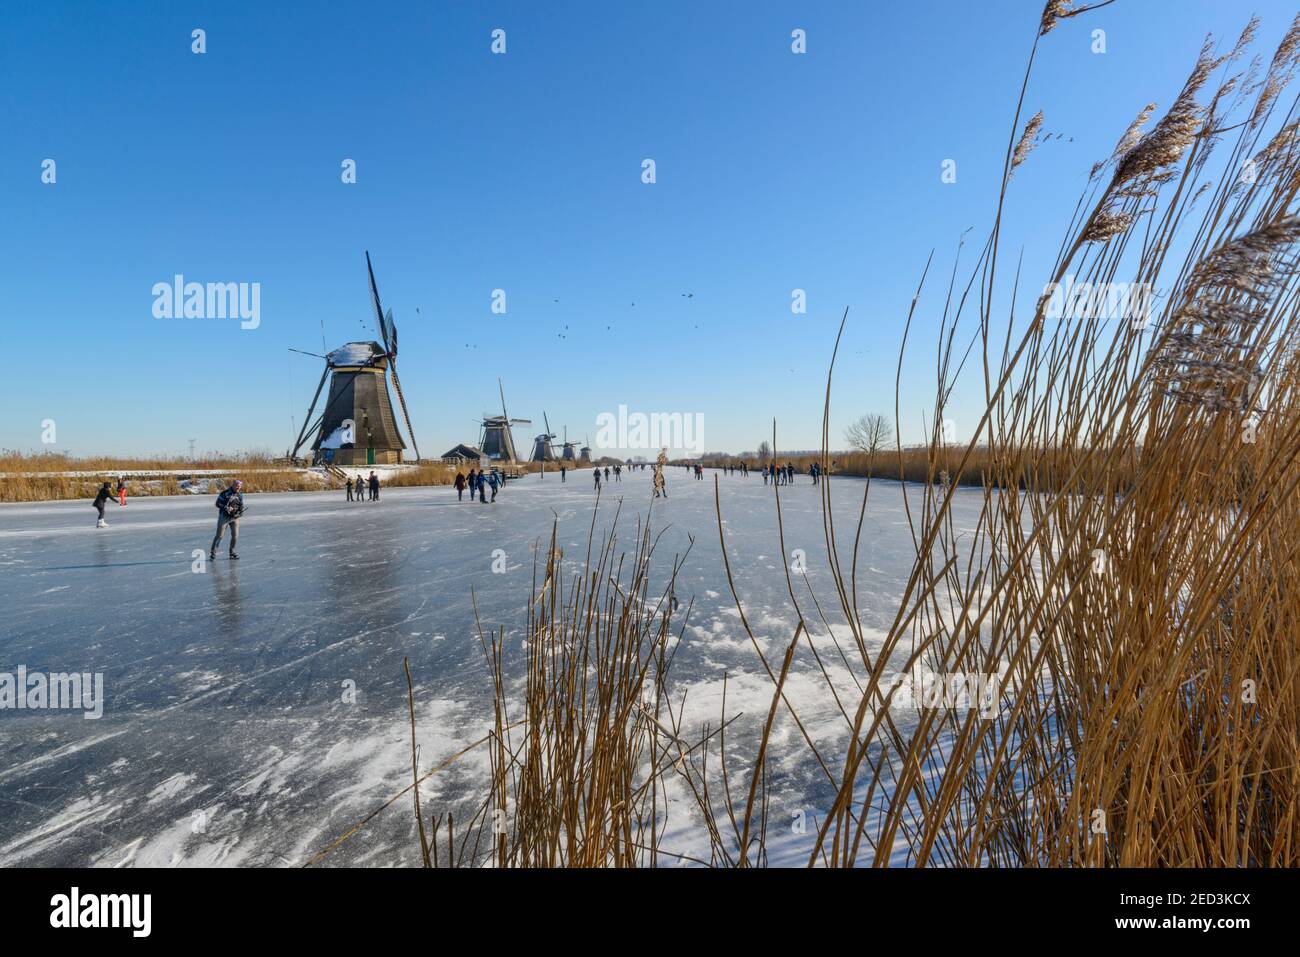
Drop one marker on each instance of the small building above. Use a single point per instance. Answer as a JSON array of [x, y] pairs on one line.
[[460, 454]]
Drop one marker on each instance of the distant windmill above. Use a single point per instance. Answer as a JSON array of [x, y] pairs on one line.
[[584, 453], [568, 454], [357, 425], [542, 450], [496, 440]]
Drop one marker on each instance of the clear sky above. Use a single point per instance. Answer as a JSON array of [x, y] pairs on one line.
[[523, 172]]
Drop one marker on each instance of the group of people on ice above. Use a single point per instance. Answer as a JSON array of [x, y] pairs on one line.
[[479, 482], [357, 493], [784, 474], [230, 503]]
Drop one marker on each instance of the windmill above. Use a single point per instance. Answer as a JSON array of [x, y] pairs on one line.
[[496, 439], [357, 425], [569, 455], [584, 453], [542, 450]]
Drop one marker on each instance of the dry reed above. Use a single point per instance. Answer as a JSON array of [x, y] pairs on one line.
[[1133, 578]]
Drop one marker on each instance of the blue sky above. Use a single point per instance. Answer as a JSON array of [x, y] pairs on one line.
[[522, 172]]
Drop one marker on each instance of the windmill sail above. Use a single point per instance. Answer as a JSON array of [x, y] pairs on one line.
[[388, 332]]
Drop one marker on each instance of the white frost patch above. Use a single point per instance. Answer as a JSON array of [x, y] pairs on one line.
[[170, 787]]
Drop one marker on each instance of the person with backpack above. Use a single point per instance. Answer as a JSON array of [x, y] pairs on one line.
[[101, 502], [230, 506], [493, 483]]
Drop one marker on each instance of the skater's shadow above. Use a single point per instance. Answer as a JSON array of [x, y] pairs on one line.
[[230, 611]]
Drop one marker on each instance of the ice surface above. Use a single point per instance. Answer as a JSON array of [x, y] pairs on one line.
[[226, 738]]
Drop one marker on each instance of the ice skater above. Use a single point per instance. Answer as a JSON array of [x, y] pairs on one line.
[[361, 489], [101, 502], [563, 470], [374, 486], [347, 483], [597, 478], [460, 486], [121, 491], [230, 506]]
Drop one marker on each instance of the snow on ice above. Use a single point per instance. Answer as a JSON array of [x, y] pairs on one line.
[[256, 710]]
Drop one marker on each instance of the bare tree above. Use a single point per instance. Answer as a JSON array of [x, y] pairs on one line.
[[764, 451], [869, 433]]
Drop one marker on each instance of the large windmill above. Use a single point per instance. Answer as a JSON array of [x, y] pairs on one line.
[[584, 453], [542, 450], [496, 440], [357, 425]]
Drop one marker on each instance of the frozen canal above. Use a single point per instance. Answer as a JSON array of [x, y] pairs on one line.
[[228, 736]]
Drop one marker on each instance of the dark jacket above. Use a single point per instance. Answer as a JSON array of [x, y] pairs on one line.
[[231, 502], [105, 493]]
